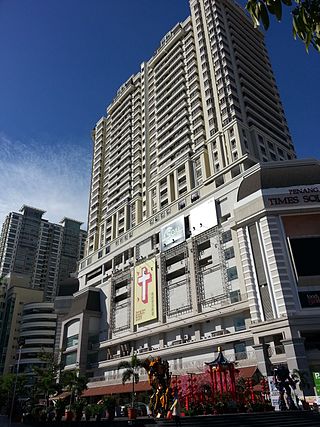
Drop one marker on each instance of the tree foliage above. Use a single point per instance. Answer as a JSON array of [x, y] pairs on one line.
[[305, 17], [74, 382], [131, 371], [46, 383], [7, 386]]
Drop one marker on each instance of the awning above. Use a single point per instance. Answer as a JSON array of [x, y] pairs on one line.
[[62, 395], [247, 372], [116, 389]]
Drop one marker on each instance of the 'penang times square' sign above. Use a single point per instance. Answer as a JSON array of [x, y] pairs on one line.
[[145, 292], [302, 195]]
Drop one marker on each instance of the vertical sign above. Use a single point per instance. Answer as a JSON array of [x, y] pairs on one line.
[[316, 379], [145, 292], [274, 393]]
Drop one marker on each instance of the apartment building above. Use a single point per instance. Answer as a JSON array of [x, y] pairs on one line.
[[46, 253], [18, 294], [189, 246], [205, 106]]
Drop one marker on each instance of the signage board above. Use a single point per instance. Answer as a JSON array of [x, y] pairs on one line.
[[284, 197], [172, 233], [203, 217], [309, 299], [145, 292], [316, 379], [274, 393]]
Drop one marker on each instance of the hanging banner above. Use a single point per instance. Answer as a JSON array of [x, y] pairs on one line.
[[203, 217], [145, 292], [172, 233]]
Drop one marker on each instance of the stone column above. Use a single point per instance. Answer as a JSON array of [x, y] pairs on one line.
[[297, 359], [263, 361], [193, 281]]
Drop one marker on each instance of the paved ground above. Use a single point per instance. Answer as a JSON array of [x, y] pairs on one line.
[[4, 422]]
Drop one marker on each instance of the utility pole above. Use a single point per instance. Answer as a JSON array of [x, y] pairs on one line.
[[21, 342]]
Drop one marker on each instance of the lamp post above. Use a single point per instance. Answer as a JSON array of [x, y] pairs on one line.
[[21, 342]]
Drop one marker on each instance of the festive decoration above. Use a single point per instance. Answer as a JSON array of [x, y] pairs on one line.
[[159, 379], [286, 386]]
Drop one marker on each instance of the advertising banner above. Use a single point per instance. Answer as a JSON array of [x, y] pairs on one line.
[[310, 299], [274, 393], [316, 379], [172, 233], [203, 217], [145, 292]]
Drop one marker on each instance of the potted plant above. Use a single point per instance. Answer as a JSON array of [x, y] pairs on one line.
[[88, 411], [60, 408], [131, 373], [69, 413], [109, 404], [77, 408]]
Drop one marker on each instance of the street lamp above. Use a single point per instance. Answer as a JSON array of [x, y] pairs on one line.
[[21, 342]]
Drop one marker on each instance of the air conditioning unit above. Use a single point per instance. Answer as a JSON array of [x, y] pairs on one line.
[[186, 337]]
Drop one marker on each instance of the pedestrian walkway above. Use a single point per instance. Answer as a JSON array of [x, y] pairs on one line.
[[4, 422], [264, 419]]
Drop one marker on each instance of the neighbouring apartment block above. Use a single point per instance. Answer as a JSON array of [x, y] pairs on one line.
[[44, 252], [36, 258]]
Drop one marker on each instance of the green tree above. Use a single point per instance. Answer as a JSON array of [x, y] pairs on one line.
[[46, 383], [305, 17], [131, 372], [74, 382], [7, 386]]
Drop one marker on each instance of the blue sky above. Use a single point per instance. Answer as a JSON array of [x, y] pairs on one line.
[[61, 63]]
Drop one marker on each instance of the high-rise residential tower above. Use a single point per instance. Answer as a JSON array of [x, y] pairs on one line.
[[44, 252], [204, 108], [197, 208]]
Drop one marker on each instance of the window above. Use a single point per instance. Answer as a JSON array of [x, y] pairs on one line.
[[72, 341], [239, 324], [232, 273], [240, 351], [226, 236], [182, 204], [70, 359], [229, 253]]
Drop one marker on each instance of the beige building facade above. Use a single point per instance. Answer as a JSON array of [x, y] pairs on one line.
[[185, 250]]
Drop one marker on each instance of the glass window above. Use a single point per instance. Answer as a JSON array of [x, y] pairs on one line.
[[239, 324], [72, 341], [240, 351], [232, 273], [226, 236], [71, 358], [229, 253]]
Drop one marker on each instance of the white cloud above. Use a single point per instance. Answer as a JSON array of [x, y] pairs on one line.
[[54, 176]]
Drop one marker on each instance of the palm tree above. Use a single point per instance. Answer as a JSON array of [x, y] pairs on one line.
[[74, 382], [131, 372]]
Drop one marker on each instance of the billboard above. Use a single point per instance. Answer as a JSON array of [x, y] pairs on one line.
[[145, 292], [203, 217], [310, 299], [316, 379], [172, 233]]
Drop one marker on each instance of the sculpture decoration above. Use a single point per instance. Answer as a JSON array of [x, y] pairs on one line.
[[285, 385], [159, 379]]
